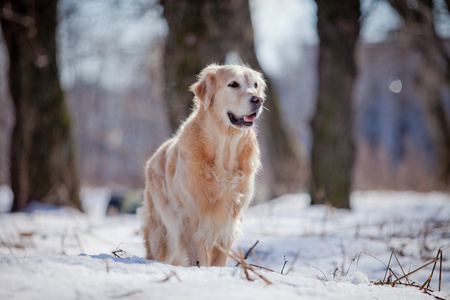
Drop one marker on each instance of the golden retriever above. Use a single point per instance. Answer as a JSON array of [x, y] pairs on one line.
[[199, 182]]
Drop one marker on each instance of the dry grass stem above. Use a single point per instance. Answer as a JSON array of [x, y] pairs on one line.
[[127, 295], [107, 265], [170, 275], [321, 272], [78, 240], [263, 268], [293, 262], [416, 270], [119, 252], [247, 268], [249, 251], [284, 265], [390, 274]]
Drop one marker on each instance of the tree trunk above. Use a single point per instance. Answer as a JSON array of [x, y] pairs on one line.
[[42, 153], [203, 32], [418, 28], [333, 149]]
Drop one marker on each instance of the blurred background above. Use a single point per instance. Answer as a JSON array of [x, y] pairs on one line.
[[121, 63]]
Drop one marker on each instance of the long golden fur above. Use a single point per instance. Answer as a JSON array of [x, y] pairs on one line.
[[199, 182]]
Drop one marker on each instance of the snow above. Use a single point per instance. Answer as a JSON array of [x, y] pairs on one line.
[[63, 254]]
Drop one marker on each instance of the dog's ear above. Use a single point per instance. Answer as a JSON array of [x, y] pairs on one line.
[[205, 86]]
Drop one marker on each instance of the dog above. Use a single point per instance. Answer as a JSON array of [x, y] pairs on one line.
[[199, 182]]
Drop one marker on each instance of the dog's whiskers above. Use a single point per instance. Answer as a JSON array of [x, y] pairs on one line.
[[266, 108]]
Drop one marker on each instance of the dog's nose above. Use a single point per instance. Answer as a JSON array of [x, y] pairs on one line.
[[257, 100]]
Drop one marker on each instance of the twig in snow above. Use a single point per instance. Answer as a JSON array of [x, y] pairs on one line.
[[78, 240], [262, 268], [239, 257], [249, 251], [401, 268], [388, 279], [63, 241], [293, 263], [107, 265], [335, 272], [127, 295], [321, 272], [438, 257], [119, 252], [170, 275], [284, 265], [351, 262]]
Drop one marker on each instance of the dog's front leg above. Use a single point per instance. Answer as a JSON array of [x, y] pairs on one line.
[[201, 257], [196, 249], [219, 257]]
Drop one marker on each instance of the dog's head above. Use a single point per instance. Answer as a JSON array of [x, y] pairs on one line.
[[234, 93]]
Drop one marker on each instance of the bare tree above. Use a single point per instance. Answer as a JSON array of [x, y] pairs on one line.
[[202, 32], [419, 32], [42, 153], [332, 152]]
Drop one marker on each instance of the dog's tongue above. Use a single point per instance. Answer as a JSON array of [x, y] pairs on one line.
[[250, 119]]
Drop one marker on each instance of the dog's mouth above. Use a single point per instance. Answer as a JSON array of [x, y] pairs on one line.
[[246, 121]]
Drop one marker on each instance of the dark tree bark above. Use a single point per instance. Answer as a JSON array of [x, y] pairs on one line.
[[42, 153], [333, 153], [202, 32], [419, 30]]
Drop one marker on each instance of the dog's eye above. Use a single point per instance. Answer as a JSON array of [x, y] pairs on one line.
[[234, 84], [255, 85]]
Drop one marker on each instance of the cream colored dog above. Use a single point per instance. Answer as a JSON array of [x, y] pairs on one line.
[[200, 181]]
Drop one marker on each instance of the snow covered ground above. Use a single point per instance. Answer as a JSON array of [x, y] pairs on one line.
[[62, 254]]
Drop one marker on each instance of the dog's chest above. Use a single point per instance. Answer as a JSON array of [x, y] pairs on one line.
[[227, 155], [231, 181], [228, 167]]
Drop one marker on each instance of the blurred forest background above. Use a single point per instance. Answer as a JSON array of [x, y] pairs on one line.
[[118, 75]]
